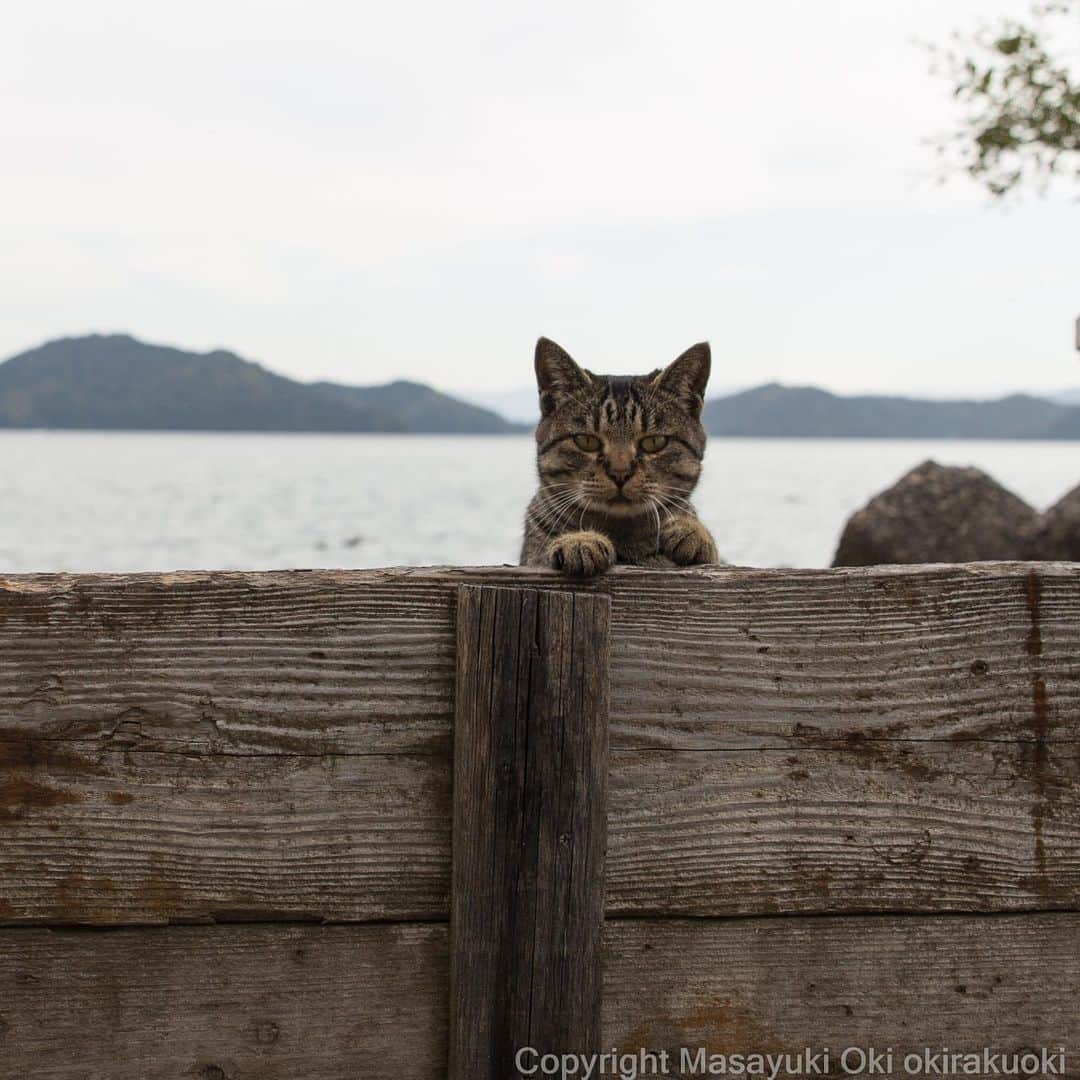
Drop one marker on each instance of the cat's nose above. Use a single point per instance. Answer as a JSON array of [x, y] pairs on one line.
[[620, 471]]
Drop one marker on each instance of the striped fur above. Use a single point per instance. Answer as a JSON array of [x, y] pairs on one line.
[[603, 496]]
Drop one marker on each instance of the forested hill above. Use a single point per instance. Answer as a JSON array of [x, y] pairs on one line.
[[775, 410], [118, 382]]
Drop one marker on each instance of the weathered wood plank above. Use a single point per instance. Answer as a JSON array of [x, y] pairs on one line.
[[280, 1002], [102, 837], [363, 661], [224, 1003], [800, 658], [927, 783], [778, 985], [530, 771], [97, 837], [884, 826], [109, 838]]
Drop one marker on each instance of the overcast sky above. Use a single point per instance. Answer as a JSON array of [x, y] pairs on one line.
[[363, 191]]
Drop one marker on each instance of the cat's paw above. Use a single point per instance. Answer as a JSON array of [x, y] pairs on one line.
[[581, 554], [687, 542]]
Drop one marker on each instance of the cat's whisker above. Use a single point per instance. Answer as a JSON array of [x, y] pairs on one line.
[[551, 511], [566, 508], [653, 496], [670, 511], [563, 498], [555, 497], [556, 494], [553, 520], [556, 525], [676, 501], [563, 518], [656, 514]]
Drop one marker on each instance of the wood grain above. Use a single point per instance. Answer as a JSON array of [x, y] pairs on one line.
[[328, 1003], [530, 771], [105, 837], [363, 661], [224, 1003], [887, 826], [195, 747], [777, 985]]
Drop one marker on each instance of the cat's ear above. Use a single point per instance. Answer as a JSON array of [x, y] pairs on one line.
[[556, 374], [686, 377]]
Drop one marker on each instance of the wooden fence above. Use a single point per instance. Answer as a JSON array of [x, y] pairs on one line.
[[841, 810]]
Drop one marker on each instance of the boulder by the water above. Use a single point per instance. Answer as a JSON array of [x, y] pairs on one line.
[[939, 513], [1057, 534]]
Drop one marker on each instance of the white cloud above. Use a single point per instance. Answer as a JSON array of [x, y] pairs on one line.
[[361, 191]]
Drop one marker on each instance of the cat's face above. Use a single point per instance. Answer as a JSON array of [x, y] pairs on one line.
[[621, 444]]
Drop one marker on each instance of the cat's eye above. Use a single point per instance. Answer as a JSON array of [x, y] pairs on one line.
[[652, 443], [589, 443]]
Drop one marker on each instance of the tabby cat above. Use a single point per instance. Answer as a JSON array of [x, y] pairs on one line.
[[618, 457]]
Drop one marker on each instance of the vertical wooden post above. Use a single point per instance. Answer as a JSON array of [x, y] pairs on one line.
[[530, 779]]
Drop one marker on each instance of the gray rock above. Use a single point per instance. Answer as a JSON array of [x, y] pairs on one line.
[[1057, 534], [939, 513]]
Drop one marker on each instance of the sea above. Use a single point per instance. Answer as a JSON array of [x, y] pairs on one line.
[[120, 501]]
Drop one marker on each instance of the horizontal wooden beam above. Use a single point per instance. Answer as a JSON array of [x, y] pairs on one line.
[[213, 747], [322, 662], [282, 1001], [919, 827], [155, 838], [148, 838], [224, 1003], [1007, 983]]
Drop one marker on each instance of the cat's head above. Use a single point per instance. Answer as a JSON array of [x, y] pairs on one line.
[[625, 444]]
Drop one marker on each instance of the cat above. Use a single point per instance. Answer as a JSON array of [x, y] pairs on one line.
[[618, 457]]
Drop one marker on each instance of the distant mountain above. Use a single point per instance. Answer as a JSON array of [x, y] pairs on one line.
[[775, 410], [420, 408], [118, 382], [1066, 397]]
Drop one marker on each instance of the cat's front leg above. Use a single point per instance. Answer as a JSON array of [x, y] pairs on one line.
[[687, 542], [581, 554]]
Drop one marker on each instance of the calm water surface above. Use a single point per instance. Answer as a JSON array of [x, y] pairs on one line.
[[120, 501]]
